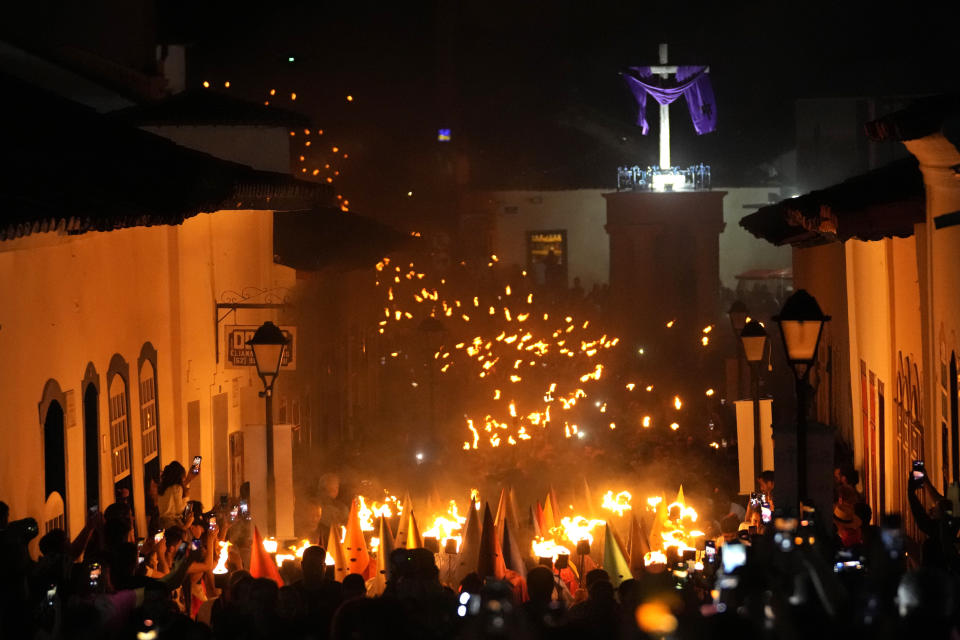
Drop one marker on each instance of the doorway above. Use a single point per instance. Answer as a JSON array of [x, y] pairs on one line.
[[91, 444]]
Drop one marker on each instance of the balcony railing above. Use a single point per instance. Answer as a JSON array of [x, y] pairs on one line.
[[695, 178]]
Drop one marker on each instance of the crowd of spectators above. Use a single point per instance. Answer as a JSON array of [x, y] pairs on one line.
[[766, 570]]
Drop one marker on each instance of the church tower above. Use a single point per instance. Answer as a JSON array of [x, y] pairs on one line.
[[664, 222]]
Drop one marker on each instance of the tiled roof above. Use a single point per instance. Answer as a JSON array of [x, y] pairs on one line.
[[209, 107], [68, 168], [922, 118], [882, 203]]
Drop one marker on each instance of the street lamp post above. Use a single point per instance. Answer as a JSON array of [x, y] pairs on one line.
[[801, 326], [268, 344], [738, 319], [754, 339]]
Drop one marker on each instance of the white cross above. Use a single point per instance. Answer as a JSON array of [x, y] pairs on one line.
[[664, 71]]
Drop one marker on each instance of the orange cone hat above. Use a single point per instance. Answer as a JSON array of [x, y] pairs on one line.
[[261, 564], [354, 545]]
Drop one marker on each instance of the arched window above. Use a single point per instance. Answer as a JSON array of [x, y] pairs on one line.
[[149, 427], [150, 434], [53, 423], [119, 411], [90, 388]]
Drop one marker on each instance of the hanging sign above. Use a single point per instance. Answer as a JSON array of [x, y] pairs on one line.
[[239, 353]]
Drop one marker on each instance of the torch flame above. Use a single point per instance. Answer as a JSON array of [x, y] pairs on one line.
[[577, 528], [221, 567], [548, 549], [447, 526], [617, 503], [676, 530]]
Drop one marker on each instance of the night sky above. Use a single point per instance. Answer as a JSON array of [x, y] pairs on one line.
[[532, 94]]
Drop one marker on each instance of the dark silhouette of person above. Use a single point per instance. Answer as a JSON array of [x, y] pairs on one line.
[[321, 596], [542, 612]]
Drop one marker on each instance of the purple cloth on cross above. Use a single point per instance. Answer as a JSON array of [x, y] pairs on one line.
[[700, 100], [693, 84]]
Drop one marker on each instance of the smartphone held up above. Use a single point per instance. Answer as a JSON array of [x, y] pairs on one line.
[[919, 470]]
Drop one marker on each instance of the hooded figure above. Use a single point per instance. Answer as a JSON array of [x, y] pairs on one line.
[[506, 513], [537, 514], [335, 554], [588, 498], [490, 558], [355, 546], [638, 544], [408, 533], [614, 559], [469, 547], [261, 564], [551, 520], [512, 556], [377, 584]]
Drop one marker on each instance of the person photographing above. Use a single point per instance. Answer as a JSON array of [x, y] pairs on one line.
[[173, 492]]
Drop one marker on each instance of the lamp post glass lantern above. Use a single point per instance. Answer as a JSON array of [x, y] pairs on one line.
[[268, 345], [738, 316], [754, 339], [801, 326]]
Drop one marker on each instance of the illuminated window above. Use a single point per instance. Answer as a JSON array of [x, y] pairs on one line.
[[148, 412], [119, 423], [547, 257]]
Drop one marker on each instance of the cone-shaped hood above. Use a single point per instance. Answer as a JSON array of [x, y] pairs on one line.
[[470, 546], [638, 544], [414, 539], [261, 564], [591, 509], [501, 513], [435, 503], [512, 555], [408, 533], [506, 512], [335, 551], [535, 522], [550, 519], [680, 496], [554, 507], [387, 545], [659, 517], [354, 545], [380, 572], [490, 558], [539, 521], [614, 558]]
